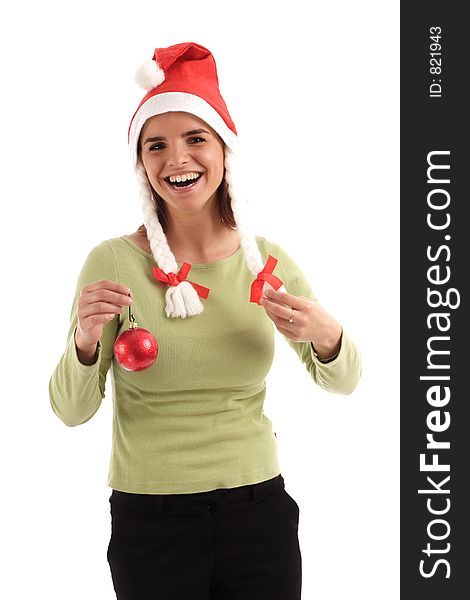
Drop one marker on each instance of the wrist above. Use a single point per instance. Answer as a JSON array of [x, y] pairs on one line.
[[325, 360], [87, 353], [327, 351]]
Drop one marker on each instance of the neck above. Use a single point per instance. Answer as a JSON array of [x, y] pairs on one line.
[[198, 235]]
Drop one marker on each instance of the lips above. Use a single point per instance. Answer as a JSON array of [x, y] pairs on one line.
[[183, 186], [181, 178]]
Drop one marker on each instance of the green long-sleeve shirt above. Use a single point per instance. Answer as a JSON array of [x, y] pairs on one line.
[[194, 420]]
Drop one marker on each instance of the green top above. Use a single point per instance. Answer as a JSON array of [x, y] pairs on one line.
[[194, 420]]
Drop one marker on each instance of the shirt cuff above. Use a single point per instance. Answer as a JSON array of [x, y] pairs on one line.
[[325, 361]]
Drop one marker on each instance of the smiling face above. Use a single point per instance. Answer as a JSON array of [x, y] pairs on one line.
[[184, 161]]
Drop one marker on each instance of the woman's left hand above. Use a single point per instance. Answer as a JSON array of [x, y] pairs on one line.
[[303, 320]]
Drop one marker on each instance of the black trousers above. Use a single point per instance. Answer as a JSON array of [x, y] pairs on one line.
[[227, 544]]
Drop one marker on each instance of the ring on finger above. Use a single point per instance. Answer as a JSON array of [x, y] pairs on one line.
[[291, 320]]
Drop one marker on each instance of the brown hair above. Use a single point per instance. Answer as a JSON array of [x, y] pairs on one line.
[[223, 204]]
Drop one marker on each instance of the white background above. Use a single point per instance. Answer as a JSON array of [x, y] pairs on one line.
[[313, 90]]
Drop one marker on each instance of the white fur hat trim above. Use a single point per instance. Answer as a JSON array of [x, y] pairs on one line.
[[179, 102]]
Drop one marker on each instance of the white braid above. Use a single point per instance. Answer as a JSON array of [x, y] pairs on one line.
[[239, 205], [251, 252], [181, 300]]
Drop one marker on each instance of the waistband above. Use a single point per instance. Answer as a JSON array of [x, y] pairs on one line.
[[252, 491]]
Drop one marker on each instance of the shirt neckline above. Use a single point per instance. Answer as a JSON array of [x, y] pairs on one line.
[[210, 265]]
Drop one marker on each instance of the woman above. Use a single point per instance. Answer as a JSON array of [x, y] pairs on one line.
[[199, 509]]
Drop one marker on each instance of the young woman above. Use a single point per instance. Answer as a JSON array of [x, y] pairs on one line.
[[199, 508]]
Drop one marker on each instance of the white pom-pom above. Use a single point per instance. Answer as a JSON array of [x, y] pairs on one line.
[[149, 75]]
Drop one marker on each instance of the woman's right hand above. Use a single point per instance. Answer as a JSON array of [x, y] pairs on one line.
[[98, 303]]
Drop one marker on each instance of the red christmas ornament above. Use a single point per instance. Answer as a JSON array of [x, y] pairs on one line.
[[135, 349]]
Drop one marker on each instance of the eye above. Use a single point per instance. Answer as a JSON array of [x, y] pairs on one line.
[[156, 146], [196, 140]]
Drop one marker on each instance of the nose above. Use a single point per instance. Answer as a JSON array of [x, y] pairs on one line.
[[177, 155]]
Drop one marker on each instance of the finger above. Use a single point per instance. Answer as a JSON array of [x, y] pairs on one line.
[[105, 295], [296, 302], [281, 322], [106, 284], [94, 320], [279, 310], [287, 332], [99, 308], [87, 323]]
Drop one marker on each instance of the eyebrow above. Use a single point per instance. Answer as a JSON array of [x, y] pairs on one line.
[[186, 133]]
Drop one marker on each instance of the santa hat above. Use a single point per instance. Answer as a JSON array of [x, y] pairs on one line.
[[183, 78]]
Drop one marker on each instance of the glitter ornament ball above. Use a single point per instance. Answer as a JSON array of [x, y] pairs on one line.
[[136, 349]]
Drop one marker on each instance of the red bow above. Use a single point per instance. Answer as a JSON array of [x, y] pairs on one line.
[[265, 275], [172, 279]]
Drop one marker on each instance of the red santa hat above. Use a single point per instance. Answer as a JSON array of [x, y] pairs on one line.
[[184, 78]]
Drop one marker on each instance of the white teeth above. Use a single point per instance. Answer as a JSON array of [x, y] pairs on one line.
[[184, 177]]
